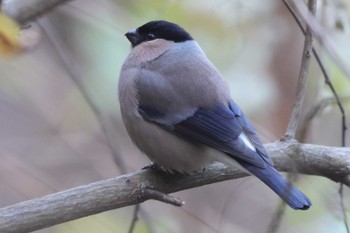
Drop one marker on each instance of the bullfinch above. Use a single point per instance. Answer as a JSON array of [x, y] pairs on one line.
[[177, 109]]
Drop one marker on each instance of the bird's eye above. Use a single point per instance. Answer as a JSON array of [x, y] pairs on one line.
[[150, 36]]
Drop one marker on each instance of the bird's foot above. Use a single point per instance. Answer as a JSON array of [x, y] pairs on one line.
[[152, 166]]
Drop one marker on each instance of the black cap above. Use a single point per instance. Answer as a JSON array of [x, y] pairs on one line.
[[159, 29]]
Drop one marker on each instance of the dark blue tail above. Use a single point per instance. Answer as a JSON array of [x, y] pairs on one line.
[[289, 193]]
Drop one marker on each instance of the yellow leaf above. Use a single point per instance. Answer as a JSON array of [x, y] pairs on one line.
[[9, 36]]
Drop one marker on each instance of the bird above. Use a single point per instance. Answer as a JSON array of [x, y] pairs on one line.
[[177, 109]]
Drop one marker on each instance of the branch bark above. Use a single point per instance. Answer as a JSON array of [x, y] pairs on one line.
[[126, 190]]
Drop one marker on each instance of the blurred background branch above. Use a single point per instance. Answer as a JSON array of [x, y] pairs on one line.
[[321, 35], [303, 75], [29, 10], [326, 77], [316, 111]]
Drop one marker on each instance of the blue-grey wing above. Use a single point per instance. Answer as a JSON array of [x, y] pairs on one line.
[[249, 130], [218, 127]]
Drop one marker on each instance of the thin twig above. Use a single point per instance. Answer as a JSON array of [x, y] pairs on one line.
[[134, 218], [277, 218], [322, 36], [343, 209], [310, 115], [77, 78], [303, 73], [324, 72], [148, 193], [146, 217], [314, 112]]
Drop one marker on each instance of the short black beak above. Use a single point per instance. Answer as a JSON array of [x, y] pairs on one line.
[[133, 37]]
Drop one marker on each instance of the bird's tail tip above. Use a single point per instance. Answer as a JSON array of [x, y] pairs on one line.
[[288, 192], [295, 198]]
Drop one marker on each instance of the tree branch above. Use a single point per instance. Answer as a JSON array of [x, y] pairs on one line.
[[303, 73], [26, 11], [148, 193], [321, 36], [324, 72], [126, 190]]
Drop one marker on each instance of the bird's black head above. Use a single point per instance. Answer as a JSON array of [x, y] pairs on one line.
[[159, 29]]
